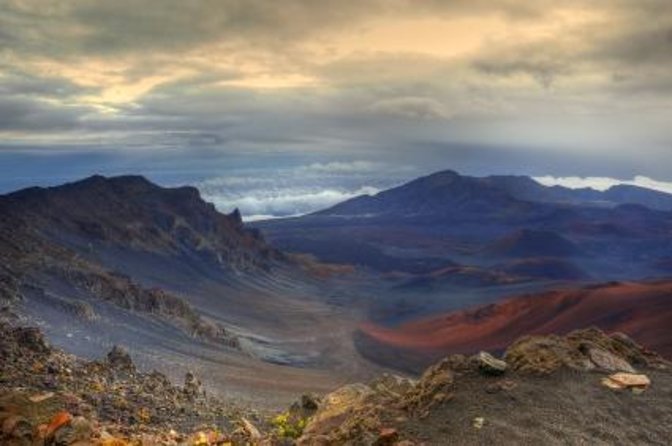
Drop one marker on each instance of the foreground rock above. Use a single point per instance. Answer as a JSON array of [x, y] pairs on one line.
[[49, 397], [547, 390], [636, 382], [491, 365], [469, 394], [581, 350]]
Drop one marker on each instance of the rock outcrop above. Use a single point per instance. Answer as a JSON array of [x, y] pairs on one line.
[[372, 414], [50, 398]]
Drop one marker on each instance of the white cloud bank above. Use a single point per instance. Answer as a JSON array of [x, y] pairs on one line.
[[283, 202], [604, 183], [297, 190]]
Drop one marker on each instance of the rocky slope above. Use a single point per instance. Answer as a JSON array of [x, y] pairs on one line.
[[447, 218], [49, 397], [50, 237], [583, 388], [122, 261], [547, 390], [133, 213]]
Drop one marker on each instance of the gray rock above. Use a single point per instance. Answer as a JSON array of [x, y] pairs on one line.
[[31, 338], [490, 365], [119, 358], [608, 361]]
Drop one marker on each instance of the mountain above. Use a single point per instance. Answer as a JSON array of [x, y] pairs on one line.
[[447, 190], [641, 310], [464, 221], [446, 195], [106, 261], [162, 281], [132, 213]]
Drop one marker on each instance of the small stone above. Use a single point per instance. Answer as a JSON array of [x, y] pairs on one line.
[[251, 429], [387, 436], [478, 422], [630, 380], [59, 420], [490, 365], [17, 427], [78, 430], [504, 385], [309, 402]]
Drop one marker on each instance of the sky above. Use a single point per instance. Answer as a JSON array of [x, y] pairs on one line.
[[284, 106]]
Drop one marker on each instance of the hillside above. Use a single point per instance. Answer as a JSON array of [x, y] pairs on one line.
[[641, 310], [545, 390], [122, 261], [468, 222], [533, 243]]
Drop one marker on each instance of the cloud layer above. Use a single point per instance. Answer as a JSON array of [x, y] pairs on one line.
[[587, 81], [281, 192]]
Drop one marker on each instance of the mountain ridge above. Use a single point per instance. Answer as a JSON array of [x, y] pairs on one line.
[[518, 187]]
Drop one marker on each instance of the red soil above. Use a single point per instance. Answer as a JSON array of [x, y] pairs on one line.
[[641, 310]]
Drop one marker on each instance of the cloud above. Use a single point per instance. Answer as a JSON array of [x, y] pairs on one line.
[[411, 107], [340, 167], [604, 183], [299, 189], [285, 202], [339, 79], [21, 114]]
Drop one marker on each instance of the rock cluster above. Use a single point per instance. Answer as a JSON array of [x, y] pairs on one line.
[[583, 350], [376, 414], [51, 398]]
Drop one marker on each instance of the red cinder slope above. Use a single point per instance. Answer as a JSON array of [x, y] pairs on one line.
[[641, 310]]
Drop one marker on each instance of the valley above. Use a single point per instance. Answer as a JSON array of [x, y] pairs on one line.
[[266, 311]]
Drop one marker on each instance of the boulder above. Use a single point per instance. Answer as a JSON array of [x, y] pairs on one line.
[[434, 387], [609, 362], [118, 358], [392, 385], [31, 338], [545, 354], [192, 386], [336, 407], [489, 365]]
